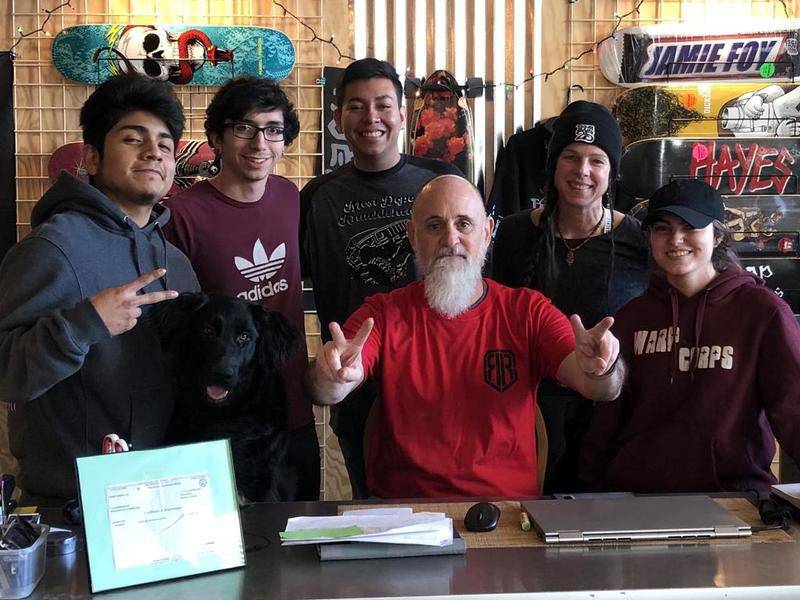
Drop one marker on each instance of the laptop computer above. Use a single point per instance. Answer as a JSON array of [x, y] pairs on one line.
[[626, 518]]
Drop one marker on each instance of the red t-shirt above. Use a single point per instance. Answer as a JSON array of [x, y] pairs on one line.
[[458, 396], [249, 250]]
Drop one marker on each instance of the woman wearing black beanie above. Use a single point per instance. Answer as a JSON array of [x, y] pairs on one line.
[[576, 249]]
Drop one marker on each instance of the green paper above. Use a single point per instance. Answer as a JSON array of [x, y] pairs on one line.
[[309, 534]]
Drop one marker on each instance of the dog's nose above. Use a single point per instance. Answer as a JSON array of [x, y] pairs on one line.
[[224, 373]]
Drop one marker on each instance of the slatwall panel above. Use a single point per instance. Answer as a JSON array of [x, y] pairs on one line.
[[47, 105], [492, 39]]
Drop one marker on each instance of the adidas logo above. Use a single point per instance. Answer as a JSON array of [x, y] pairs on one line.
[[263, 267], [264, 291]]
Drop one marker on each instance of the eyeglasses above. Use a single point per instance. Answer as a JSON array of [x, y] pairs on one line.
[[247, 131]]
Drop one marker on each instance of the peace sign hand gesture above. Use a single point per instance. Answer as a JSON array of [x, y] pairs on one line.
[[119, 307], [596, 349], [338, 368], [342, 357]]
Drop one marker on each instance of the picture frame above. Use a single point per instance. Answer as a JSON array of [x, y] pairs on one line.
[[152, 515]]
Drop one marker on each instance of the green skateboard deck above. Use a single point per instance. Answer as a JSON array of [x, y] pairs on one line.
[[181, 54]]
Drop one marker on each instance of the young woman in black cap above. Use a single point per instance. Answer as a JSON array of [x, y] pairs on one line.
[[713, 361], [580, 252]]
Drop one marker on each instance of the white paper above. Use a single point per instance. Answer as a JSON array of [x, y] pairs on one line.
[[389, 512], [788, 491], [395, 526], [163, 520]]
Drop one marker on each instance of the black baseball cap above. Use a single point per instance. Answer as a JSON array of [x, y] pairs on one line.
[[692, 200]]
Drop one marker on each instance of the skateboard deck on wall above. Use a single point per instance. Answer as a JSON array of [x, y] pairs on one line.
[[782, 275], [764, 225], [760, 226], [672, 52], [181, 54], [734, 166], [753, 109], [774, 244], [441, 124], [195, 160]]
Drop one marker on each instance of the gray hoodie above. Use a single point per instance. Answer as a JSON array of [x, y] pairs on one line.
[[70, 381]]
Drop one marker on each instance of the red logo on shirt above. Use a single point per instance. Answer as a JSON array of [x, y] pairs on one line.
[[499, 369]]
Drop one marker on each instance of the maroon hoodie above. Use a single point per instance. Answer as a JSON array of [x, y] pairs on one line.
[[708, 376]]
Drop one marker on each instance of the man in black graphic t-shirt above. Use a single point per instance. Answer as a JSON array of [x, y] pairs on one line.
[[353, 231]]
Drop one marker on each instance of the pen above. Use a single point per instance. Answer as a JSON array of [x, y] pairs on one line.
[[524, 521]]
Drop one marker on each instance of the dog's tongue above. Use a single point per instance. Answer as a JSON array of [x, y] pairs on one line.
[[216, 393]]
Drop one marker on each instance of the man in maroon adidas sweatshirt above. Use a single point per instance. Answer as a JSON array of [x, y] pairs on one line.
[[240, 232]]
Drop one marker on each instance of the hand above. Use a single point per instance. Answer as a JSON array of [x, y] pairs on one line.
[[788, 128], [119, 306], [595, 349], [754, 107], [341, 358]]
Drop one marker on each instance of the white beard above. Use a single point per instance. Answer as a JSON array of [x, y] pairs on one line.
[[450, 283]]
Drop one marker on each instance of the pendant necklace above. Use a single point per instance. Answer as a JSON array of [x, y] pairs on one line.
[[571, 250]]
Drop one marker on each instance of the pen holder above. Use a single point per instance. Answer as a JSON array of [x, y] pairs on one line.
[[21, 570]]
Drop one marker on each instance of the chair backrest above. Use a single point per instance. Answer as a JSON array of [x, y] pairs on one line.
[[541, 448]]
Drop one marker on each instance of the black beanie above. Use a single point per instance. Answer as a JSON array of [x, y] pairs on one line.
[[586, 122]]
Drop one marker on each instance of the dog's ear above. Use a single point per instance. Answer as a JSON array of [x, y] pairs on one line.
[[278, 339], [169, 319]]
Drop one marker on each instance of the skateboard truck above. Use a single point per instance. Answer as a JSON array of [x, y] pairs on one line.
[[472, 88], [411, 87]]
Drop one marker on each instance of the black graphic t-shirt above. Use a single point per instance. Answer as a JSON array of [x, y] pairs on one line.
[[353, 232]]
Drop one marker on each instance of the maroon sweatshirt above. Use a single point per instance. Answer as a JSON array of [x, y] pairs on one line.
[[710, 379]]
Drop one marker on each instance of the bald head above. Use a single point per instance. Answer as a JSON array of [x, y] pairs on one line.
[[447, 189]]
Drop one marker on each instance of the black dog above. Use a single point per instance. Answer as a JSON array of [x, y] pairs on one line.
[[225, 357]]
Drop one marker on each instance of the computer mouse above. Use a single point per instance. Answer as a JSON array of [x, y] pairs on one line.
[[482, 516]]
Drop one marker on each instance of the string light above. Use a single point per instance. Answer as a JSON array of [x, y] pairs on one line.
[[509, 87], [565, 65], [49, 13], [341, 55], [593, 50], [315, 37]]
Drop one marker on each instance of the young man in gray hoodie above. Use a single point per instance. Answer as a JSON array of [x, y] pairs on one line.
[[77, 362]]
